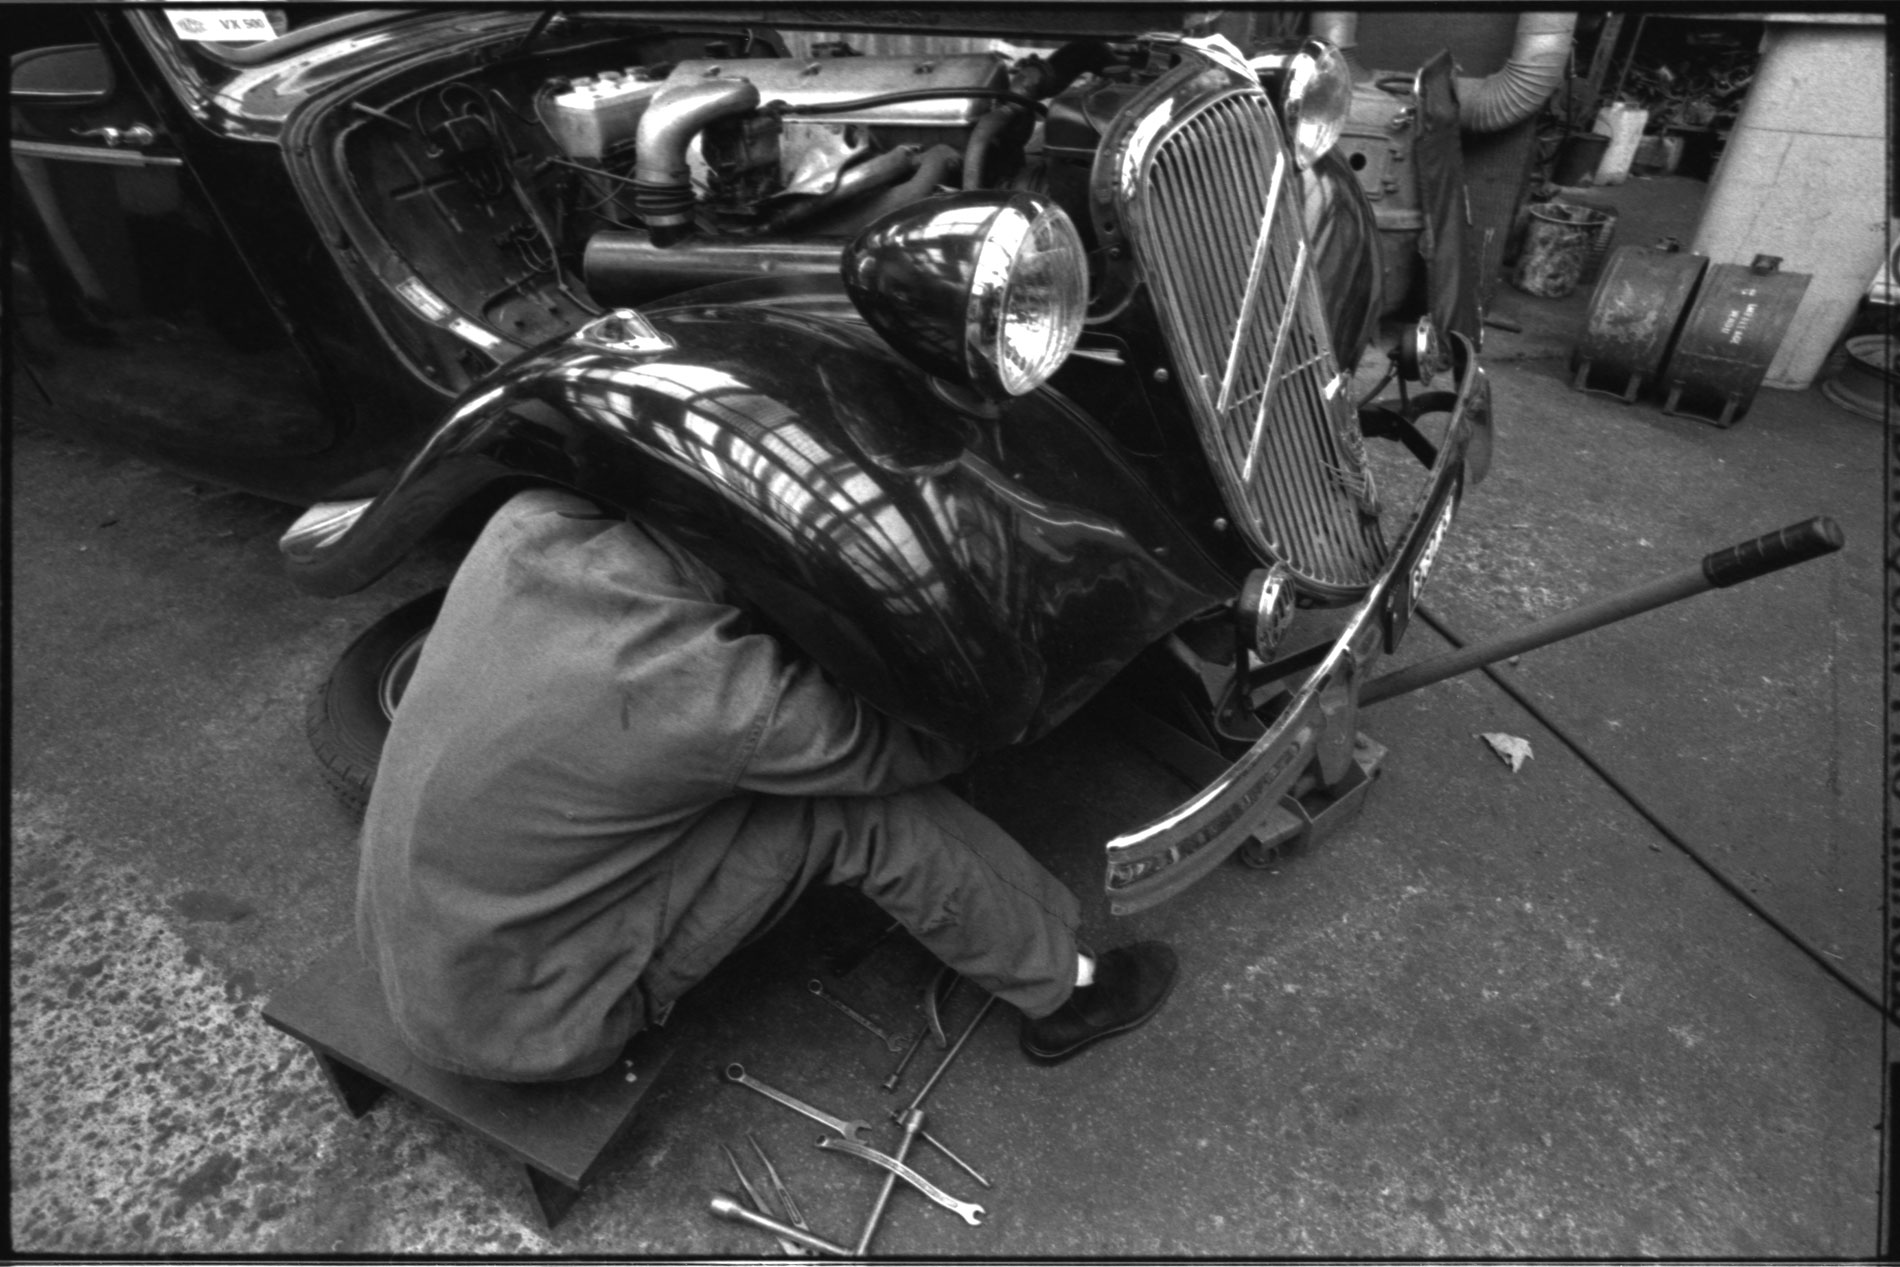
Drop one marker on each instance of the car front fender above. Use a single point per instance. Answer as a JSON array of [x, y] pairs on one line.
[[976, 571]]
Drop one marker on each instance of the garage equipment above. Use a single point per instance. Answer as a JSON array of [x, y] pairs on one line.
[[912, 1119], [558, 1131], [1312, 813], [850, 1130], [1767, 553], [969, 1212], [726, 1208], [1732, 332], [791, 1247], [890, 1040], [1635, 312]]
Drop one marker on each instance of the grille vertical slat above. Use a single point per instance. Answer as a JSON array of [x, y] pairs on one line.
[[1196, 218]]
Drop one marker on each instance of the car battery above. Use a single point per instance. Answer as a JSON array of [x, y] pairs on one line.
[[1740, 315]]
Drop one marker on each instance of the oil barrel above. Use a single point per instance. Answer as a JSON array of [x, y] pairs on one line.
[[1635, 312], [1740, 315]]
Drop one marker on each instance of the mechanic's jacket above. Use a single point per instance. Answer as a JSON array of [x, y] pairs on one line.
[[563, 774]]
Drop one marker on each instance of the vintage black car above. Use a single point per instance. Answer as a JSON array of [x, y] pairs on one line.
[[985, 368]]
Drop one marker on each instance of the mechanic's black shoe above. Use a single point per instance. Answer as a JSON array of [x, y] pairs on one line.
[[1130, 984]]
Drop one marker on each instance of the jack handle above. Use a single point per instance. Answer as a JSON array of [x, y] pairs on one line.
[[1770, 552]]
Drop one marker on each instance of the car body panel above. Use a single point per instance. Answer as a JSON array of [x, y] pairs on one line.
[[977, 573]]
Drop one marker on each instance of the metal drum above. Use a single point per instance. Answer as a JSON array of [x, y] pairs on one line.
[[1635, 311], [1730, 336]]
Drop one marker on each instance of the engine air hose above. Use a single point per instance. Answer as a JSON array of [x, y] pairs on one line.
[[983, 135], [663, 187]]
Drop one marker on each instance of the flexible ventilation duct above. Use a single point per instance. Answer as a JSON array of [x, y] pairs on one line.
[[1539, 55], [1536, 67]]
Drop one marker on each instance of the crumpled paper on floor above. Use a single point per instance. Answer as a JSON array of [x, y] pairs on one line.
[[1511, 750]]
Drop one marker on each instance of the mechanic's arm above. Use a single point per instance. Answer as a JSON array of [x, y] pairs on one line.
[[817, 738]]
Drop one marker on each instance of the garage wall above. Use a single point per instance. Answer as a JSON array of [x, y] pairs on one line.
[[1804, 177]]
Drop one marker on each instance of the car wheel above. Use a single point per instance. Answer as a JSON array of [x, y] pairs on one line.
[[348, 718]]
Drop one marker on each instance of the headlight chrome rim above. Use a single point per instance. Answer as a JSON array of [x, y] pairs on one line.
[[1009, 250]]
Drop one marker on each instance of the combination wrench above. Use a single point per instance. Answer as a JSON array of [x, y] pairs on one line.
[[968, 1211], [735, 1072], [890, 1040]]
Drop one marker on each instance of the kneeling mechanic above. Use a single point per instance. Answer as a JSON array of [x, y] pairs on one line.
[[601, 781]]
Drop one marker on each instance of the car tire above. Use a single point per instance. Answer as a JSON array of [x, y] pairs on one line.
[[348, 717]]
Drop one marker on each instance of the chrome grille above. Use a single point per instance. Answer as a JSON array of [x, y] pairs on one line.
[[1216, 223]]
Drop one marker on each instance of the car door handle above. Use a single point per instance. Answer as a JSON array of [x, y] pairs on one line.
[[138, 135]]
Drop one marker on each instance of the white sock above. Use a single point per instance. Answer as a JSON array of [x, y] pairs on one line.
[[1084, 971]]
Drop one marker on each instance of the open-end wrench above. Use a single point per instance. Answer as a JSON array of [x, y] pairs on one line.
[[889, 1039], [970, 1212], [936, 995], [735, 1072]]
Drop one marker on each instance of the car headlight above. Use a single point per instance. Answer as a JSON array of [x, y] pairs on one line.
[[1314, 87], [986, 290]]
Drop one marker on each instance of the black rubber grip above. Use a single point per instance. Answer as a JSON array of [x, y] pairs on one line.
[[1770, 552]]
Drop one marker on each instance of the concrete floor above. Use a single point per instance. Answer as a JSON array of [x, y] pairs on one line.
[[1499, 1017]]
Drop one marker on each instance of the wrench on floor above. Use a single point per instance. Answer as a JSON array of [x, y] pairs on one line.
[[889, 1039], [970, 1212], [735, 1072]]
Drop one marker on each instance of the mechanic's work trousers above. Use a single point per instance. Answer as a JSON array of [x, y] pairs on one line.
[[952, 877]]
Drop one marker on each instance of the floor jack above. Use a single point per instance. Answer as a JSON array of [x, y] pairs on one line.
[[1319, 806]]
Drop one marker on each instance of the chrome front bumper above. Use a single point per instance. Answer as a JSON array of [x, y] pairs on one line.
[[1159, 860]]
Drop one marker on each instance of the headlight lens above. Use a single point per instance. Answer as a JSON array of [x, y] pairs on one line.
[[1315, 88], [1030, 293], [982, 289]]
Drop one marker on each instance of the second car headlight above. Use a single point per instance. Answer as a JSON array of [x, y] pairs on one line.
[[982, 289], [1314, 86]]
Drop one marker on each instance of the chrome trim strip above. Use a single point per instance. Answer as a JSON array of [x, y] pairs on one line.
[[1273, 369], [320, 526], [93, 154], [1254, 273]]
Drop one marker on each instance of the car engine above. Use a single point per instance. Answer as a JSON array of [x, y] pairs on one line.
[[527, 196]]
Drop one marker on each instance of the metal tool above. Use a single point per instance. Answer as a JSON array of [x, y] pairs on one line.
[[889, 1039], [913, 1127], [793, 1214], [726, 1208], [935, 1000], [936, 994], [970, 1212], [917, 1100], [944, 1148], [790, 1246], [735, 1072]]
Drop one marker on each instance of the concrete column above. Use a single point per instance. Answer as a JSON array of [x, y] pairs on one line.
[[1804, 177]]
